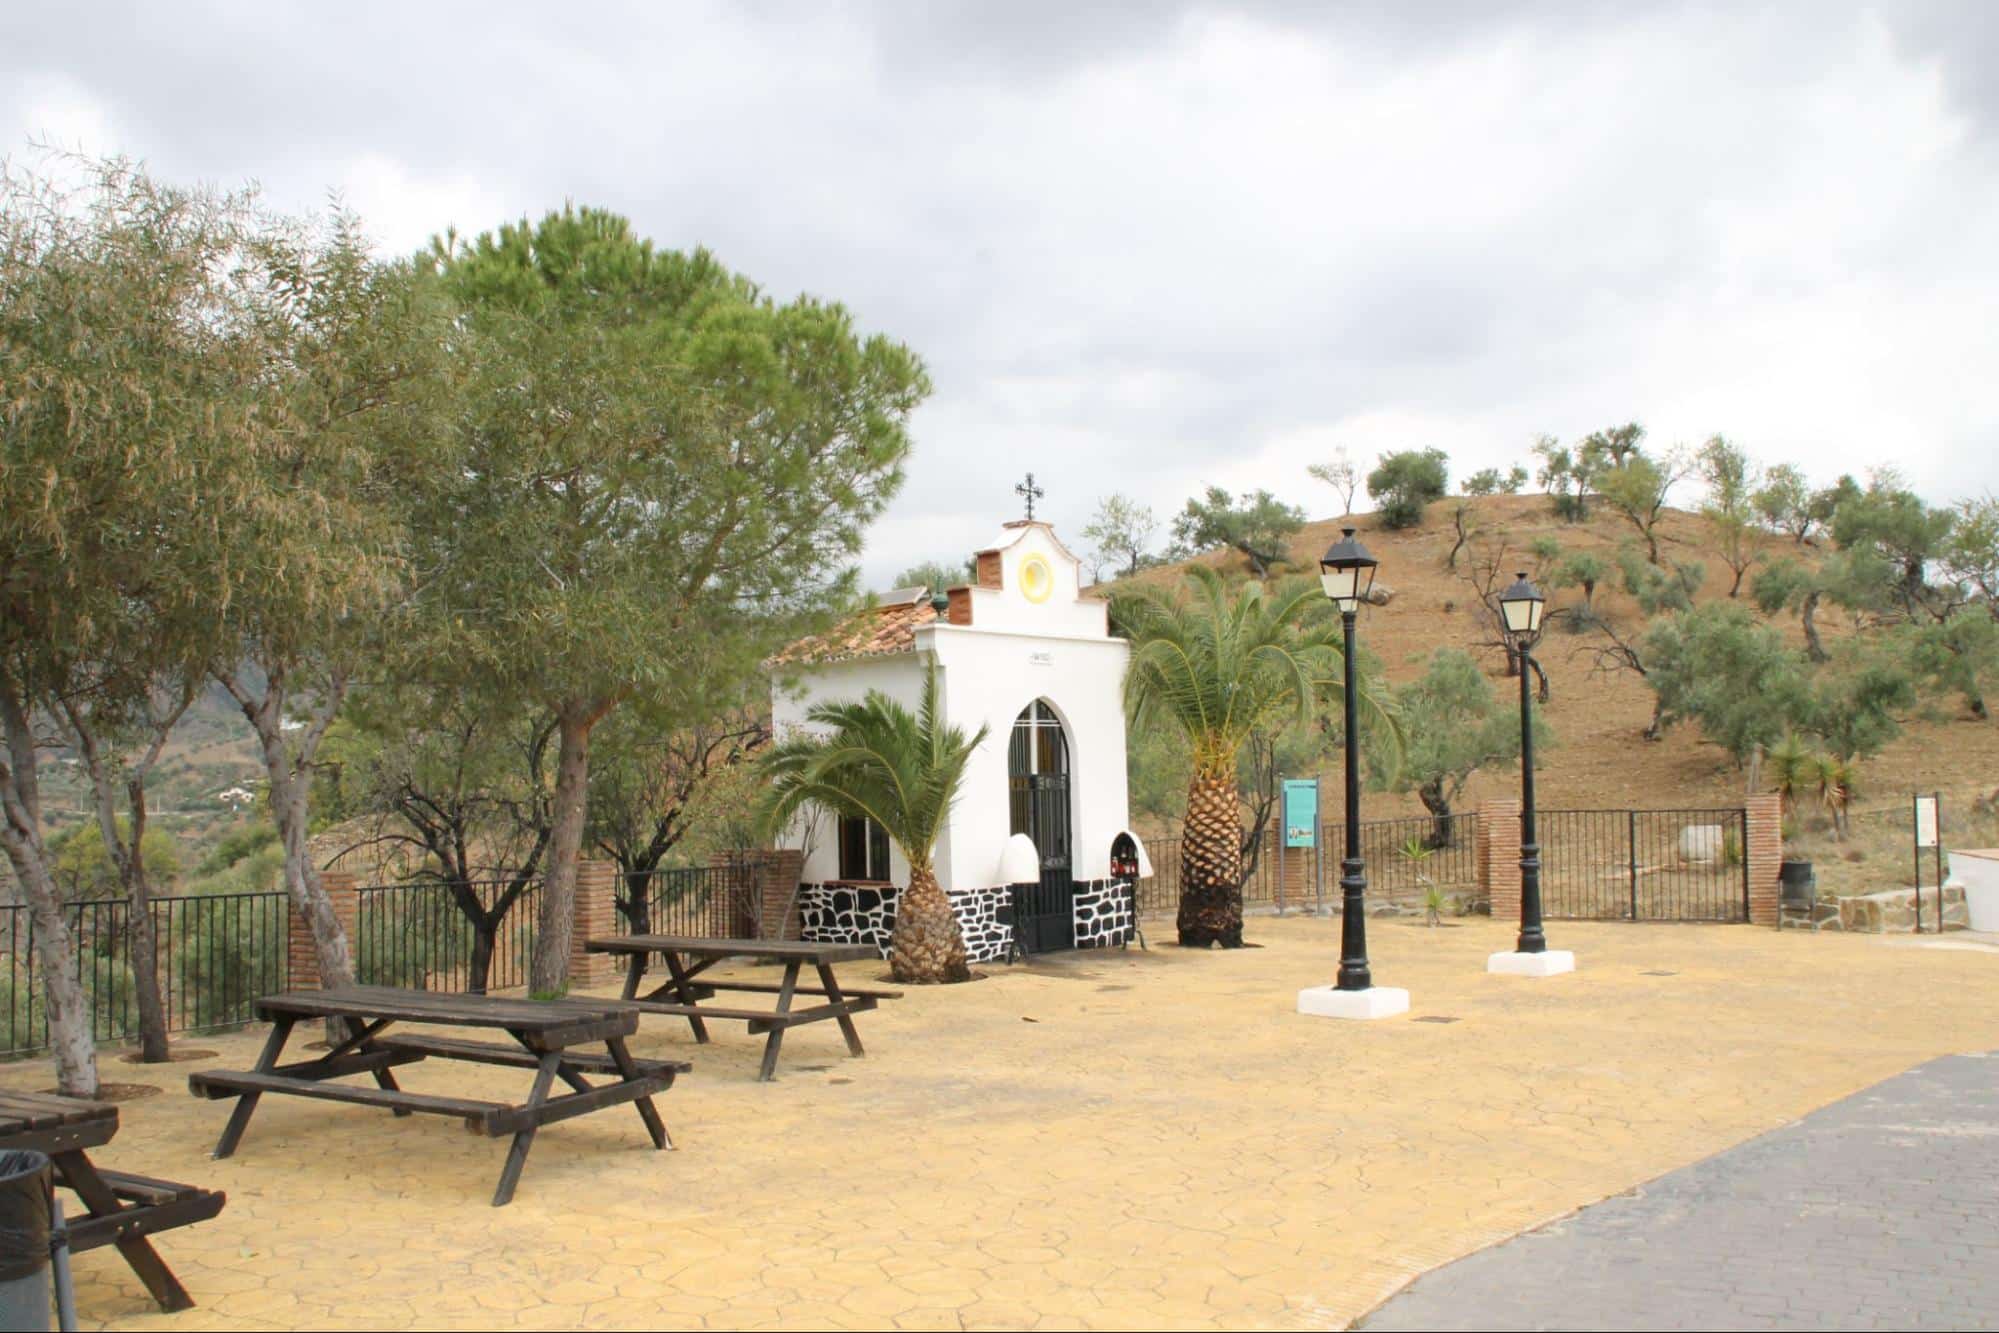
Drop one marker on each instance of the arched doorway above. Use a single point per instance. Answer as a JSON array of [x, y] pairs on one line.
[[1038, 788]]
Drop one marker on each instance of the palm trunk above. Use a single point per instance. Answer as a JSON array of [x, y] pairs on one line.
[[1211, 867], [548, 972], [927, 948]]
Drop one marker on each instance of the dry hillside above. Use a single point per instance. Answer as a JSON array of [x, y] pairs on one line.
[[1601, 758]]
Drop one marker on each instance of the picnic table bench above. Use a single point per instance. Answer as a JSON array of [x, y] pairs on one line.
[[542, 1037], [688, 957], [119, 1208]]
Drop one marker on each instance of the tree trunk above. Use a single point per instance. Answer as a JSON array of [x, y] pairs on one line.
[[1808, 613], [1438, 803], [927, 947], [291, 787], [140, 940], [1657, 726], [548, 973], [1211, 867], [64, 1005], [127, 855]]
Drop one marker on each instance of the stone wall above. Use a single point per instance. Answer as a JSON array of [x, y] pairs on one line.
[[1103, 914], [865, 914]]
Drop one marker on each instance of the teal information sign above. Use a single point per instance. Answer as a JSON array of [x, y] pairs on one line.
[[1301, 812]]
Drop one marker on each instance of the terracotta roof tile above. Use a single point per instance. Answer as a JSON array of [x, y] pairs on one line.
[[879, 631]]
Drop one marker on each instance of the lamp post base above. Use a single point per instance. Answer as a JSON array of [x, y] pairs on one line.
[[1332, 1002], [1548, 963]]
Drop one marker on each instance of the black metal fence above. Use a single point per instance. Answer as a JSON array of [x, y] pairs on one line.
[[217, 953], [417, 935], [1644, 865], [1405, 859], [715, 902]]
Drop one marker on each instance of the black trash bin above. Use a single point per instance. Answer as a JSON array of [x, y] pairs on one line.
[[26, 1191]]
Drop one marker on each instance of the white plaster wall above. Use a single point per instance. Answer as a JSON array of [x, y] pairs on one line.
[[1014, 652], [989, 677], [899, 677]]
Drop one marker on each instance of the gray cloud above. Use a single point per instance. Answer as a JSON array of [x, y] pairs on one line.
[[1144, 247]]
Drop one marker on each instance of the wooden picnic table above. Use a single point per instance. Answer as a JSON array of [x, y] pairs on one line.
[[118, 1208], [687, 957], [543, 1037]]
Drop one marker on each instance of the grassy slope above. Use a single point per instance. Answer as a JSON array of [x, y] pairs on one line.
[[1600, 758]]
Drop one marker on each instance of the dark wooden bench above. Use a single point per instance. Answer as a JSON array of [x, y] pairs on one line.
[[542, 1035], [119, 1208], [687, 958]]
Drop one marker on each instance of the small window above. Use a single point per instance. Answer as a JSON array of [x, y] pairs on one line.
[[863, 849]]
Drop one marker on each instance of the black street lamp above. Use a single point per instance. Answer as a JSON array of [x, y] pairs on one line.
[[1520, 608], [1346, 571]]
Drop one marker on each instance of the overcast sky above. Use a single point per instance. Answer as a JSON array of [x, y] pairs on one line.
[[1145, 247]]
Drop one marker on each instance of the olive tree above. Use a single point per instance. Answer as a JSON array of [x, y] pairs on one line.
[[657, 458], [122, 415]]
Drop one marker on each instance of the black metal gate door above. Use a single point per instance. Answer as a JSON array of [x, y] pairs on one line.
[[1044, 914], [1644, 865]]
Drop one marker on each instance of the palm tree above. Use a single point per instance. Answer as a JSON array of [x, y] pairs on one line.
[[1223, 663], [876, 760]]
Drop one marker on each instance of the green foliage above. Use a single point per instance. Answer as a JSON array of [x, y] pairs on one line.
[[1491, 481], [936, 575], [236, 845], [1856, 699], [1453, 724], [1960, 654], [1717, 667], [1889, 536], [1971, 553], [719, 458], [1585, 570], [1404, 483], [1637, 485], [84, 870], [1791, 766], [1260, 526], [1784, 502], [1342, 474], [1120, 533], [1730, 507], [877, 760], [1224, 662], [1567, 475], [1659, 589]]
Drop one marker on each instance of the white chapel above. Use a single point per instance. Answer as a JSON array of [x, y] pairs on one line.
[[1022, 650]]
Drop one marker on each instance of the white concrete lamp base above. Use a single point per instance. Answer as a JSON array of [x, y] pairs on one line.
[[1332, 1002], [1550, 962]]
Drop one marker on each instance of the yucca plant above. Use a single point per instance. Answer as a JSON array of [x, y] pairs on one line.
[[877, 760], [1835, 788], [1415, 851], [1221, 661], [1793, 769]]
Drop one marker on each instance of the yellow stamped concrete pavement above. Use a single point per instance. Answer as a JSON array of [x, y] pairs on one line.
[[1103, 1140]]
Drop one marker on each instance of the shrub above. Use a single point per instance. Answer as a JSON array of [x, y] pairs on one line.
[[1405, 482]]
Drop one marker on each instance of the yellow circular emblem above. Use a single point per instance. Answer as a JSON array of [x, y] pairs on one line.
[[1037, 580]]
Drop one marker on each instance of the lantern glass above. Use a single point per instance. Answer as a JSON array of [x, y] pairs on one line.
[[1521, 607], [1346, 572]]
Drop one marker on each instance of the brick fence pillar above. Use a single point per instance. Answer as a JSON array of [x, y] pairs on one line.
[[1499, 856], [301, 958], [778, 874], [595, 913], [1763, 855]]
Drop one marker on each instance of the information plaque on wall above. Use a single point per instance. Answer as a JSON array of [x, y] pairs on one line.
[[1301, 812]]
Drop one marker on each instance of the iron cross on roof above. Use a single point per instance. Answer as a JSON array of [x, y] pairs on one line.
[[1032, 492]]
